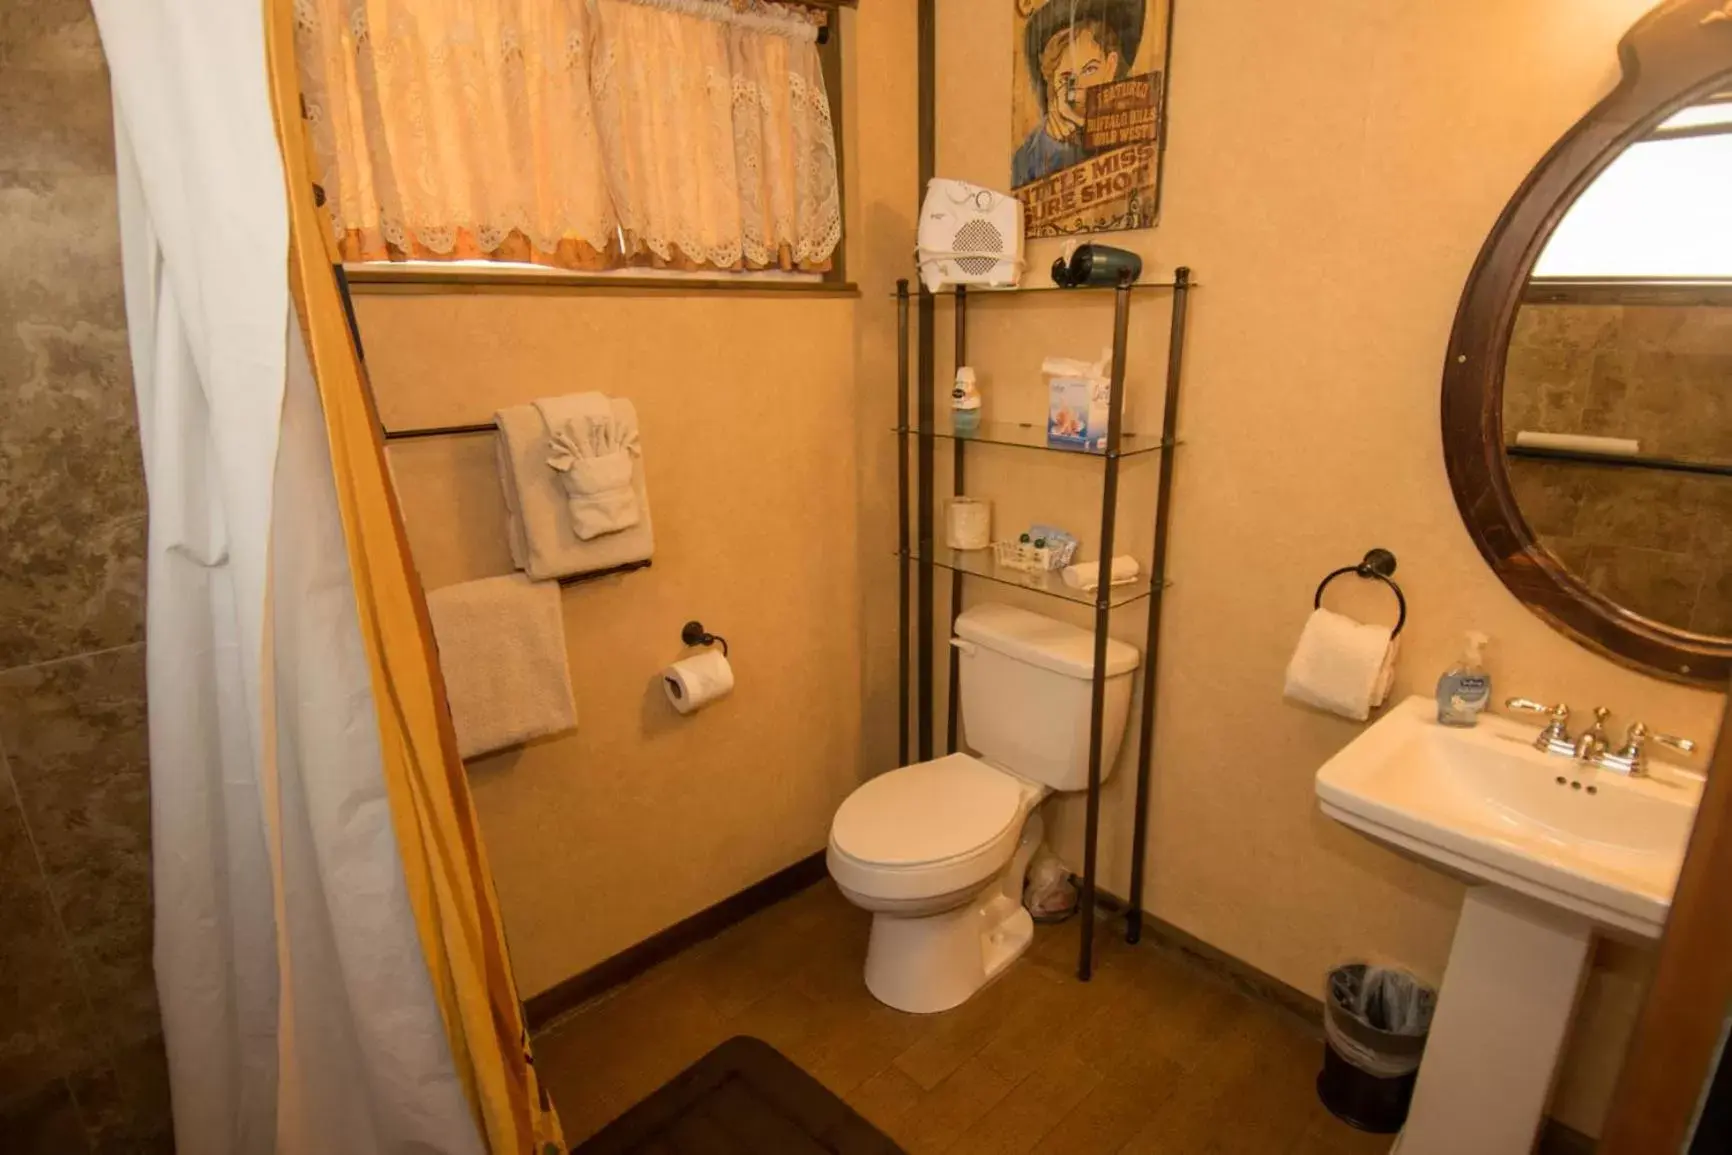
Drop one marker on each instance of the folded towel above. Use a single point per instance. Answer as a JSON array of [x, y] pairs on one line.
[[544, 542], [591, 452], [1342, 666], [1086, 575], [502, 649], [578, 409]]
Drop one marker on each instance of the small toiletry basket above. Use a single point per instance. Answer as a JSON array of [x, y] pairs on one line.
[[1020, 555]]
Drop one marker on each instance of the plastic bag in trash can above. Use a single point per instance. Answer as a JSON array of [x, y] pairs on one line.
[[1049, 895], [1377, 1018]]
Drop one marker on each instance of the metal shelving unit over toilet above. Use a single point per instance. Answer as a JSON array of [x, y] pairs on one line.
[[918, 550]]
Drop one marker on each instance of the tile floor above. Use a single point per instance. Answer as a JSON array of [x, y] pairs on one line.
[[1157, 1054]]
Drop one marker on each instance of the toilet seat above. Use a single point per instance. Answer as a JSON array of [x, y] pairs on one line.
[[930, 829]]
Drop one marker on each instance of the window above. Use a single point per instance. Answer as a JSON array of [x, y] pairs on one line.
[[591, 135], [1661, 211]]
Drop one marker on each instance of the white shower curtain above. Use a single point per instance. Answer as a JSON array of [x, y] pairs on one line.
[[297, 1008]]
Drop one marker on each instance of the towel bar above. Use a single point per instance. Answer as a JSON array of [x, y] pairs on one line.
[[1377, 566]]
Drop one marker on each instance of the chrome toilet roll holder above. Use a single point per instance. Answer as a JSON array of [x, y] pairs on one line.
[[694, 634]]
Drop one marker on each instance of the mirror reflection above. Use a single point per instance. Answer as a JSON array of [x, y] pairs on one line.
[[1617, 399]]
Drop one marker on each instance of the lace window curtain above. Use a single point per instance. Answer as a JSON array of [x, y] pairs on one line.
[[582, 134]]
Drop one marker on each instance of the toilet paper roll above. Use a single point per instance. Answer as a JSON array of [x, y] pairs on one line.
[[693, 683], [969, 524]]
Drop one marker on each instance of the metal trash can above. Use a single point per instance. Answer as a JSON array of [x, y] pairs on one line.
[[1375, 1022]]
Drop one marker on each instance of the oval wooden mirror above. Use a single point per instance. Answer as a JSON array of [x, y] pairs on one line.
[[1587, 396]]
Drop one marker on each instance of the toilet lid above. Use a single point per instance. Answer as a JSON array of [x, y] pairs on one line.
[[927, 812]]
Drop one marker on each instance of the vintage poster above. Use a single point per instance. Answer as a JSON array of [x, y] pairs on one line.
[[1088, 90]]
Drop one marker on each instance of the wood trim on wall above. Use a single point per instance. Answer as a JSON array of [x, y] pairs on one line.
[[1677, 1039], [381, 279], [564, 997]]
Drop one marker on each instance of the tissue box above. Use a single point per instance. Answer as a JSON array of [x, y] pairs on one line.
[[1077, 411]]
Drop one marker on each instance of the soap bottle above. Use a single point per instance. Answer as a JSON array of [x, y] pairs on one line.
[[965, 403], [1464, 691]]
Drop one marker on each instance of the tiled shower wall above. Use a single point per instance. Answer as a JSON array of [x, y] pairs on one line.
[[1657, 542], [81, 1066]]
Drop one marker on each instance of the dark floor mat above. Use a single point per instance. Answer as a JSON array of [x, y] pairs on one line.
[[743, 1098]]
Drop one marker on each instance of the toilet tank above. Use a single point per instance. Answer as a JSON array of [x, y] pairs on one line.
[[1025, 693]]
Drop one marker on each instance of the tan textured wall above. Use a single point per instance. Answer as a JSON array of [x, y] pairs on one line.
[[1332, 172], [764, 462], [640, 818]]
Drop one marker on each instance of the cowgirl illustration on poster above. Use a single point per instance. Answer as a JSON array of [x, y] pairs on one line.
[[1086, 101]]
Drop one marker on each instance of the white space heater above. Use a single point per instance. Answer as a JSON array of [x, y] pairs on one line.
[[969, 236]]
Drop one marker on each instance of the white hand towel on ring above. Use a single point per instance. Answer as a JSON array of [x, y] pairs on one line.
[[1343, 666]]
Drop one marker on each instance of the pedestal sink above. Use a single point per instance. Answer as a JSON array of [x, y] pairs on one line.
[[1554, 851]]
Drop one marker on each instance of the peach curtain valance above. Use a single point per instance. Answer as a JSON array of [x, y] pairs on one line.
[[582, 134]]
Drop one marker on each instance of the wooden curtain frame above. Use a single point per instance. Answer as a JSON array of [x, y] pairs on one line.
[[1676, 55]]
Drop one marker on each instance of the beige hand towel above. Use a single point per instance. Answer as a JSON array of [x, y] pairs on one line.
[[544, 543], [502, 649], [1342, 666]]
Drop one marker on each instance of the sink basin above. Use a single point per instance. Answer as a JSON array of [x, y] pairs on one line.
[[1553, 851], [1484, 803]]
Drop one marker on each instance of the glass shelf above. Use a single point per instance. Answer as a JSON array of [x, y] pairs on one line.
[[914, 289], [1026, 435], [979, 563]]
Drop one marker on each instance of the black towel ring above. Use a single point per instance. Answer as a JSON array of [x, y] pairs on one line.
[[693, 634], [1378, 565]]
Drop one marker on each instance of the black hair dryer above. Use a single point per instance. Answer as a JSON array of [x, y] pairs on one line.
[[1094, 265]]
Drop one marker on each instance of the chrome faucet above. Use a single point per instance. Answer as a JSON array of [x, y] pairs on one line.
[[1555, 738], [1592, 742], [1632, 757], [1592, 746]]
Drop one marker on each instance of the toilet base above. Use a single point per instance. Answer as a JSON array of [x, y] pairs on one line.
[[935, 962]]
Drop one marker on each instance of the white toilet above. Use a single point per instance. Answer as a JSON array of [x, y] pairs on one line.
[[937, 851]]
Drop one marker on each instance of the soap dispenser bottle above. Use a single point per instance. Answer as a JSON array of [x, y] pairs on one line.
[[1464, 691], [965, 403]]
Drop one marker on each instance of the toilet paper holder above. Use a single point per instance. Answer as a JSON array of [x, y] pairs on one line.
[[694, 634]]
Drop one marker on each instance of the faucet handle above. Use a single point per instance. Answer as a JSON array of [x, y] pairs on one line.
[[1633, 758], [1559, 712], [1554, 738], [1639, 732]]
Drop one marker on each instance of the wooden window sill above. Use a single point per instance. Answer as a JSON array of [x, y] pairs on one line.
[[398, 280]]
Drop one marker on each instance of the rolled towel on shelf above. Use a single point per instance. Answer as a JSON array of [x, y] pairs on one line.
[[544, 540], [1086, 575], [1579, 443], [502, 650], [1343, 666]]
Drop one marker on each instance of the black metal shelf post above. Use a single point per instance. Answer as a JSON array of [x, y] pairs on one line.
[[926, 56], [902, 520], [956, 477], [1158, 570], [1103, 616]]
